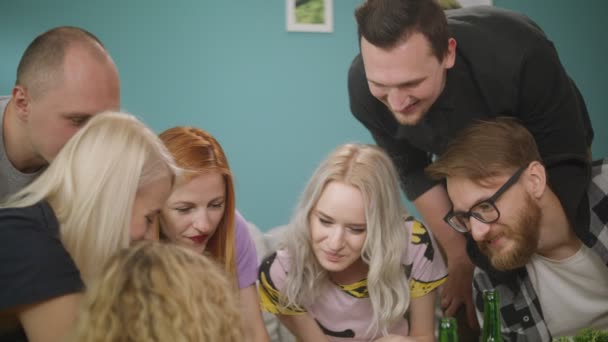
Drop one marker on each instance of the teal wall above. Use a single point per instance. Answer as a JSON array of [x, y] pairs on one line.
[[577, 28], [276, 100]]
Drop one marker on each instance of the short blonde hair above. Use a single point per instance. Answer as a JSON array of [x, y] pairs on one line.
[[160, 292], [92, 184]]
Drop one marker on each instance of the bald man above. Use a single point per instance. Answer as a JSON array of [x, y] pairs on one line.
[[64, 78]]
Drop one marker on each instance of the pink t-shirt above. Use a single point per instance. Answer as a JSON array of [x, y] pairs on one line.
[[345, 311]]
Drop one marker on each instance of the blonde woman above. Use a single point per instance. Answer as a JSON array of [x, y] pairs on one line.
[[160, 292], [104, 189], [353, 266]]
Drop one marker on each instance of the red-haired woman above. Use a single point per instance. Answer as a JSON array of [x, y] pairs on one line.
[[201, 214]]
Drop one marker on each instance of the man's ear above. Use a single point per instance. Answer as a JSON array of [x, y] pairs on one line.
[[450, 54], [536, 179], [22, 102]]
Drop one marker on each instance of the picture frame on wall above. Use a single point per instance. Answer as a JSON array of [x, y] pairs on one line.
[[467, 3], [310, 15]]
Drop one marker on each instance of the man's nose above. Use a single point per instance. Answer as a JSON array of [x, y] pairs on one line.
[[398, 99], [479, 230]]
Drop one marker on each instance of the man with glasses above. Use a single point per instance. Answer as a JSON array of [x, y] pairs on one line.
[[550, 282]]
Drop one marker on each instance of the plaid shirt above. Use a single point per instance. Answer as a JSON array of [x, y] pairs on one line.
[[522, 316]]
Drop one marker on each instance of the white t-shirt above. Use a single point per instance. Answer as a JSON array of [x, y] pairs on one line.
[[573, 292]]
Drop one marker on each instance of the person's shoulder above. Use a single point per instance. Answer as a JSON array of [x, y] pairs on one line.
[[243, 239], [418, 232], [278, 260], [414, 225], [276, 264], [35, 225], [241, 229], [36, 264], [357, 81], [273, 269], [3, 101], [356, 66], [472, 14], [420, 242], [268, 262], [39, 216], [38, 211], [494, 21]]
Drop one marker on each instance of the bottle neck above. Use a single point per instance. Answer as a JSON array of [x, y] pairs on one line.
[[491, 320], [447, 330]]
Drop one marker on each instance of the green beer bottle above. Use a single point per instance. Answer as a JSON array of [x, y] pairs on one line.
[[448, 330], [491, 317]]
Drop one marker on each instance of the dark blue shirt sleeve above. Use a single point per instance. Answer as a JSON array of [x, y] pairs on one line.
[[34, 265]]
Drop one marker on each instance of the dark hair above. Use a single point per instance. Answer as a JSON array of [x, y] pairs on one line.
[[42, 61], [486, 149], [384, 23]]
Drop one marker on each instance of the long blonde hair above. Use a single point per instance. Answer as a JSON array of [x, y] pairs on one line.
[[160, 292], [369, 169], [92, 183]]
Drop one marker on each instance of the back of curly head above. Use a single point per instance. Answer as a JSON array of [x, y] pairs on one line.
[[160, 292]]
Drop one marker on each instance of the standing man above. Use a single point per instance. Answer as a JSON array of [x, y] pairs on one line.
[[64, 78], [421, 77]]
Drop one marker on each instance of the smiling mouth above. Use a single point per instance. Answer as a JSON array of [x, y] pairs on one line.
[[332, 256], [198, 239], [492, 242], [408, 110]]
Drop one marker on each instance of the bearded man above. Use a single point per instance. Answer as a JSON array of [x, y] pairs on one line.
[[550, 283]]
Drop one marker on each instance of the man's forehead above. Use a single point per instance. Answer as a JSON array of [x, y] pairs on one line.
[[405, 60], [465, 192]]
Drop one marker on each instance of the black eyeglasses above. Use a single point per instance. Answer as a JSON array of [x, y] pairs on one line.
[[484, 211]]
